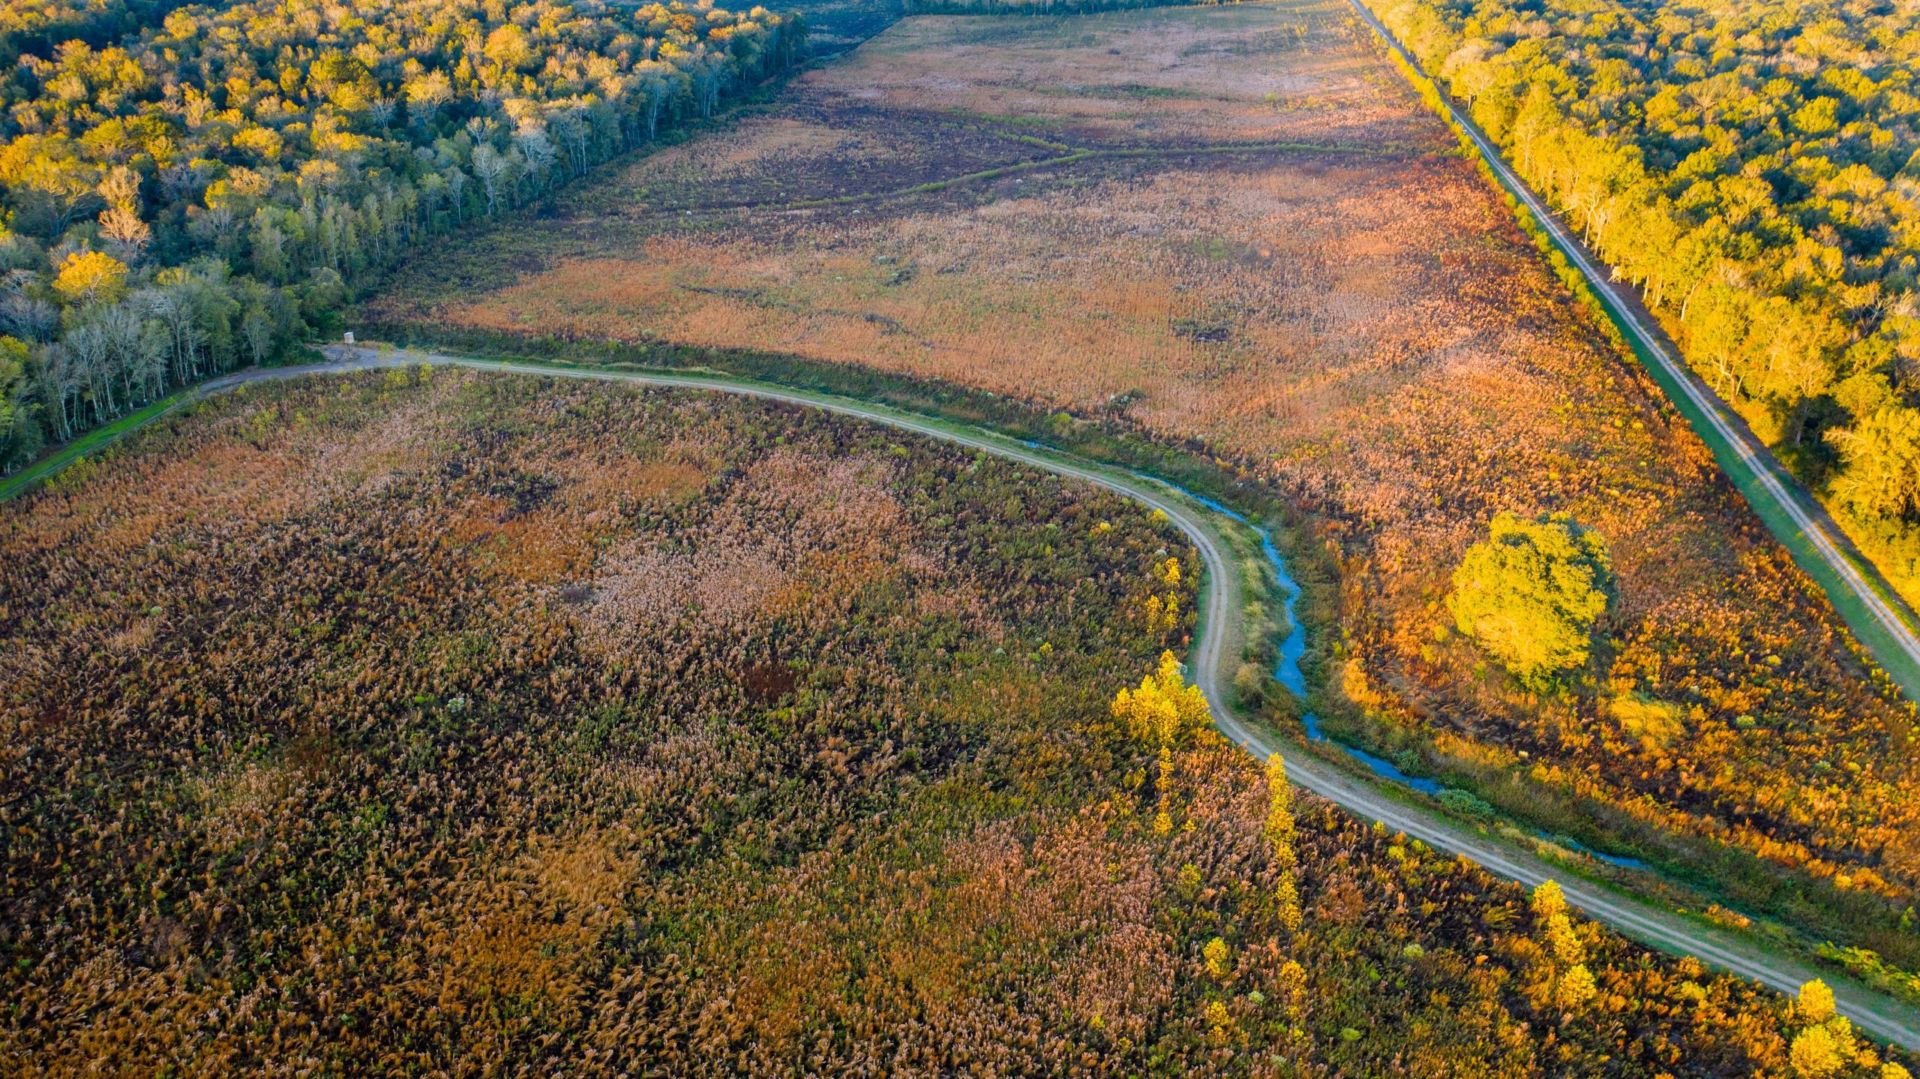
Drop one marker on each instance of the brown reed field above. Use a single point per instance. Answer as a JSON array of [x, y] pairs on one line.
[[431, 721], [1237, 225]]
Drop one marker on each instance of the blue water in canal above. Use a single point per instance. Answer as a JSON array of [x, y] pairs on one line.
[[1288, 673], [1294, 647]]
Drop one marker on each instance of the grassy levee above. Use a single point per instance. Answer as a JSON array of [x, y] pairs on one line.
[[1892, 656]]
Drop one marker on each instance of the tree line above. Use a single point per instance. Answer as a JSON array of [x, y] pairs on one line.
[[1754, 169], [210, 189]]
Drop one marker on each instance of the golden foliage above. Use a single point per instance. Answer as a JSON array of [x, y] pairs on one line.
[[91, 277], [1817, 1054], [1219, 959], [1563, 942], [1163, 710], [1548, 900], [1574, 989], [1169, 571], [1162, 613], [1814, 1004]]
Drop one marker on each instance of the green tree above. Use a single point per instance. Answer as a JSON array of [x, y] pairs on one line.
[[1532, 592], [19, 433]]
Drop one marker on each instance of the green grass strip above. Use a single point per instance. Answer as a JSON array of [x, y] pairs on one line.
[[97, 439]]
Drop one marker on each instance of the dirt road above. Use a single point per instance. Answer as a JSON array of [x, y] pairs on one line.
[[1216, 652]]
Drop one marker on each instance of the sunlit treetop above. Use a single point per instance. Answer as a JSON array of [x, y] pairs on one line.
[[1532, 592], [1163, 709]]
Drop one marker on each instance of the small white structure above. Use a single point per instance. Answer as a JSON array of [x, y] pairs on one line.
[[349, 337]]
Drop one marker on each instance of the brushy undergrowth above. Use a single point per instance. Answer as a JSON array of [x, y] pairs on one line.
[[443, 721]]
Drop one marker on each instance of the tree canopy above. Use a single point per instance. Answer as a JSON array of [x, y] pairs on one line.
[[1163, 708], [1755, 169], [188, 188], [1883, 458], [1531, 593]]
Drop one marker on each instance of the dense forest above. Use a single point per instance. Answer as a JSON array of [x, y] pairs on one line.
[[206, 191], [37, 28], [1754, 168], [434, 721]]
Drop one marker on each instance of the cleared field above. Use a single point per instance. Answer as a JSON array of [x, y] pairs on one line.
[[472, 724], [1236, 224]]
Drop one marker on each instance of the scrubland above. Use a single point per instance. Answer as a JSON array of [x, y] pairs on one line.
[[435, 721], [1236, 228]]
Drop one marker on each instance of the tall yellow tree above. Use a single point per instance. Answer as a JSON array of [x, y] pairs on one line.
[[1219, 959], [1163, 709], [1161, 712], [1572, 983], [1163, 611], [1825, 1045], [1280, 836], [90, 277]]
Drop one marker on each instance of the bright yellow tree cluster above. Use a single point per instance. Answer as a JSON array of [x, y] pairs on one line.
[[1573, 983], [91, 277], [1280, 835], [1825, 1045], [1169, 572], [1161, 711], [1163, 708], [1162, 615], [1219, 959], [1532, 593]]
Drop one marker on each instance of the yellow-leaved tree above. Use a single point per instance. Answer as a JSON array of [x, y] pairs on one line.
[[1219, 959], [90, 276], [1573, 984], [1532, 593], [1279, 831], [1163, 612], [1161, 712], [1163, 708], [1825, 1044]]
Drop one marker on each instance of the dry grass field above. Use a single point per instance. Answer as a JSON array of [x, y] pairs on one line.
[[437, 722], [1236, 224]]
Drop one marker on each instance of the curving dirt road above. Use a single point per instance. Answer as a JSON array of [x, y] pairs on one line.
[[1881, 621], [1216, 651]]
